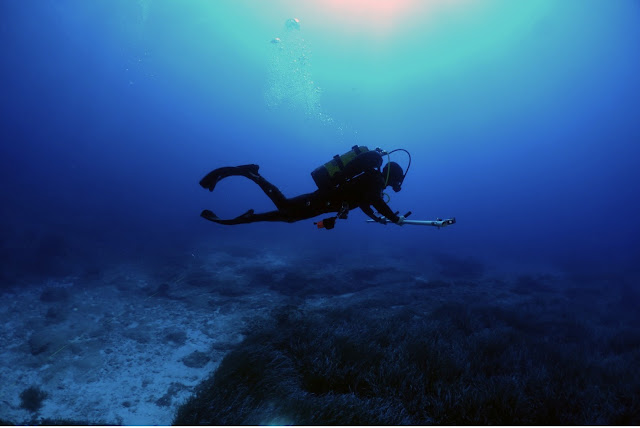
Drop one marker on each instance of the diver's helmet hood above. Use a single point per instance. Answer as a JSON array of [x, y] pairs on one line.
[[395, 175]]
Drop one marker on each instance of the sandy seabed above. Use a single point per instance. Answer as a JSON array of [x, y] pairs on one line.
[[124, 347]]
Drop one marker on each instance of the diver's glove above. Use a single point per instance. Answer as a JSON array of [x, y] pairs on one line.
[[400, 221]]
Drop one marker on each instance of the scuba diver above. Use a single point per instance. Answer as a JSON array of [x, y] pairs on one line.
[[353, 180]]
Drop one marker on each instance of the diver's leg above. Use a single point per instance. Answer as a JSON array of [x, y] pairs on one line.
[[276, 196], [211, 179], [248, 217], [298, 208]]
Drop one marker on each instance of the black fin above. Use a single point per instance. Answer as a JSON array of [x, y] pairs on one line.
[[209, 215], [211, 179], [247, 214], [252, 168]]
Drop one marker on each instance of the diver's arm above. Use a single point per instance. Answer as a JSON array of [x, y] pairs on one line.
[[368, 211], [384, 209]]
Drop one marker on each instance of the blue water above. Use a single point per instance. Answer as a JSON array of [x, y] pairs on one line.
[[522, 119], [112, 112]]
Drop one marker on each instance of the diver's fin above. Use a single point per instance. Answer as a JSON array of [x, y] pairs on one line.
[[252, 168], [210, 180], [209, 215], [246, 215]]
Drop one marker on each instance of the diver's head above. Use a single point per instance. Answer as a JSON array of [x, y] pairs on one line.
[[396, 175]]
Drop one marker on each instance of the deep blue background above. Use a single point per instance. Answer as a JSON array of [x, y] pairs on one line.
[[113, 110]]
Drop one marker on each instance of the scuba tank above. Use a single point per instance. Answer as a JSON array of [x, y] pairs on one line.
[[346, 166]]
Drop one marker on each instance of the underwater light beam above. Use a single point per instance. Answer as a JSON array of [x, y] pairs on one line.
[[381, 17]]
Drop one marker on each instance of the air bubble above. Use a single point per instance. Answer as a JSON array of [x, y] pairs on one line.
[[292, 24]]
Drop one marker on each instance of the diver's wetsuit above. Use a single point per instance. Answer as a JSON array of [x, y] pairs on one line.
[[362, 191]]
